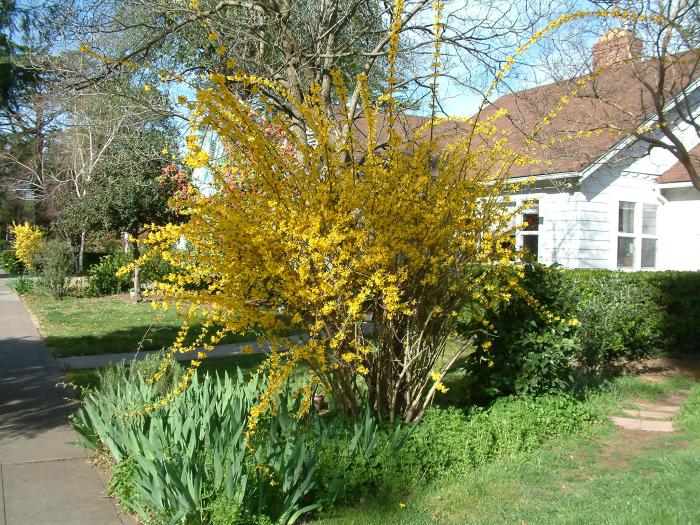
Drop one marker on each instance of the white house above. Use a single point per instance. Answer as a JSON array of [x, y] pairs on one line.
[[600, 200]]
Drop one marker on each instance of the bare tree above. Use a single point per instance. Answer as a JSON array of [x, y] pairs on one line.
[[298, 44]]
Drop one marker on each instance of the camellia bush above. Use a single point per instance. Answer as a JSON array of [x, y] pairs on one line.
[[27, 244]]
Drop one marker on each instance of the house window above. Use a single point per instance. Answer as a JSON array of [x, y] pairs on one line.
[[636, 237], [530, 234], [625, 237], [648, 236]]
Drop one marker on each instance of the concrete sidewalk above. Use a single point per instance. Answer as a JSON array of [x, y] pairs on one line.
[[43, 478]]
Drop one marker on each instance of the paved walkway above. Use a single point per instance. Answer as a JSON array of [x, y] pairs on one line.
[[653, 417], [43, 478]]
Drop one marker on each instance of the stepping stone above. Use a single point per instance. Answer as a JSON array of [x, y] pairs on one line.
[[676, 400], [639, 424], [648, 414], [669, 409]]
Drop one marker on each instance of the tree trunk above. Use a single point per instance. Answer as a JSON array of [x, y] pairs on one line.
[[137, 269], [81, 252]]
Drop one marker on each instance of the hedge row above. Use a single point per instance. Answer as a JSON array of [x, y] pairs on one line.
[[638, 312], [591, 318]]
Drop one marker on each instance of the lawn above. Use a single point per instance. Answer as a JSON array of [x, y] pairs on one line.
[[248, 364], [76, 326], [612, 478]]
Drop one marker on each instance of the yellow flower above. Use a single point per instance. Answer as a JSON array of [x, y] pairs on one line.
[[147, 88], [402, 505]]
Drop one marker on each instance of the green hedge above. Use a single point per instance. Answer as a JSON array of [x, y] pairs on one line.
[[633, 314], [605, 316]]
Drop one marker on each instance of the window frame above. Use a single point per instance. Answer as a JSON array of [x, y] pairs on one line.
[[637, 235], [517, 202]]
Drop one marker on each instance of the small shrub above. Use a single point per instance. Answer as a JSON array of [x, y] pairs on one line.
[[27, 244], [11, 263], [57, 266], [620, 317], [21, 285], [103, 279], [524, 346]]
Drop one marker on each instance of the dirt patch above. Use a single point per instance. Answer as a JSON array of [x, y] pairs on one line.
[[660, 369], [624, 445]]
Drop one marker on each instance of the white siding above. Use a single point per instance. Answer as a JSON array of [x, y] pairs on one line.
[[579, 229], [679, 230]]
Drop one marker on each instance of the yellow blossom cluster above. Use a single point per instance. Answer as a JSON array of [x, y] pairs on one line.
[[28, 240], [305, 235]]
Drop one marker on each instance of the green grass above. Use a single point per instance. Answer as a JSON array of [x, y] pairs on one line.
[[603, 479], [77, 326], [247, 363]]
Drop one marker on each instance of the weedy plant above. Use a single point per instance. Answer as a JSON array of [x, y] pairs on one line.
[[21, 285]]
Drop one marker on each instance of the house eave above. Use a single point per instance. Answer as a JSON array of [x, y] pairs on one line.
[[546, 176], [668, 185], [627, 141]]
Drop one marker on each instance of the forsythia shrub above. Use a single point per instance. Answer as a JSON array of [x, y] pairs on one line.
[[371, 243], [346, 229], [28, 240]]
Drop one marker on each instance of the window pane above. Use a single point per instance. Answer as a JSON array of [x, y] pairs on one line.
[[648, 220], [625, 252], [648, 253], [626, 217], [531, 216], [532, 221], [531, 245]]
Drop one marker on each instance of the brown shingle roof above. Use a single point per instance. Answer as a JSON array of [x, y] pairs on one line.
[[616, 99], [677, 172]]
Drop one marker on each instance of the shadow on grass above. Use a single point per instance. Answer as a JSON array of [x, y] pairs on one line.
[[248, 363], [126, 340]]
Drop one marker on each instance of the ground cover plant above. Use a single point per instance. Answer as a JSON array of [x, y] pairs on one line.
[[603, 477], [188, 460]]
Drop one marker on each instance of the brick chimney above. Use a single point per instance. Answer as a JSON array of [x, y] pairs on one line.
[[615, 46]]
